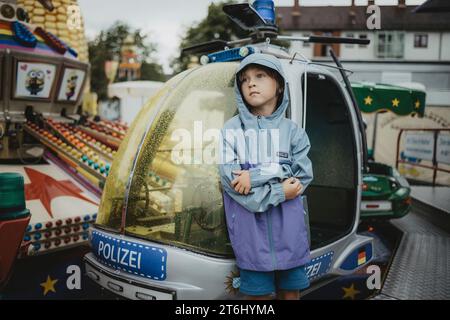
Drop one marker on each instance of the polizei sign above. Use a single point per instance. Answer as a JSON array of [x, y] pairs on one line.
[[129, 256]]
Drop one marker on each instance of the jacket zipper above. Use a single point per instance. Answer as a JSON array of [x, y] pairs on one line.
[[272, 250], [269, 223]]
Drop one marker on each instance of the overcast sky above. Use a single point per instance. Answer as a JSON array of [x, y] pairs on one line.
[[166, 21]]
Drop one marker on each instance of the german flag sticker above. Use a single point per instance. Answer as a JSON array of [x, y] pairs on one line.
[[362, 256]]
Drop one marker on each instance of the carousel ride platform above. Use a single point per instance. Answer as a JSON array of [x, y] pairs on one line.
[[420, 269], [435, 198]]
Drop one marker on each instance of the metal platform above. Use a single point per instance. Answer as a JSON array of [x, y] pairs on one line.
[[421, 266], [436, 197]]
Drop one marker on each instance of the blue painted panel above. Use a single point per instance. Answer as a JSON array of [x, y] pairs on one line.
[[135, 258]]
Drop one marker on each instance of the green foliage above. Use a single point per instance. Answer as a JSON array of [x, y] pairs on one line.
[[152, 71], [216, 25], [107, 46]]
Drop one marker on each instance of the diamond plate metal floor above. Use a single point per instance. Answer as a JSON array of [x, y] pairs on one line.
[[437, 197], [421, 266]]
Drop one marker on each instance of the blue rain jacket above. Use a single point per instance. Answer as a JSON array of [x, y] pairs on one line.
[[266, 232]]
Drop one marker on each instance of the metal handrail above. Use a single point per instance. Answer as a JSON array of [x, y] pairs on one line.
[[435, 165]]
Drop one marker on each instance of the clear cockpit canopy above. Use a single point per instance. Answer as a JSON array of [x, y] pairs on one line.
[[163, 186]]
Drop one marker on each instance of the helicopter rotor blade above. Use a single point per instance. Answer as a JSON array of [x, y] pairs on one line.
[[244, 15], [322, 39], [214, 45]]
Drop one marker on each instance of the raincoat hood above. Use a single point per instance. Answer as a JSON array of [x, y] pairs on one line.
[[248, 119]]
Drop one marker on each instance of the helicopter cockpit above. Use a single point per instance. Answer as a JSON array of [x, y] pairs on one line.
[[174, 195]]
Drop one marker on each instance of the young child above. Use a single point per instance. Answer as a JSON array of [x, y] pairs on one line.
[[264, 211]]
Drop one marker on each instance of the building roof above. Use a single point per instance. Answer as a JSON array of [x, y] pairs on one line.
[[354, 18], [433, 6]]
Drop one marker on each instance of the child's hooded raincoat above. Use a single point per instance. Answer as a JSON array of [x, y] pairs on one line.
[[267, 233]]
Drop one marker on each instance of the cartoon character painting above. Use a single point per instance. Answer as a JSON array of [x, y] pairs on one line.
[[71, 85], [35, 81]]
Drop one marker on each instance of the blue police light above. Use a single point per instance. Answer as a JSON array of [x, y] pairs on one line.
[[266, 10], [234, 54]]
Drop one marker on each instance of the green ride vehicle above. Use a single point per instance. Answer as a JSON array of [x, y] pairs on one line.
[[385, 193]]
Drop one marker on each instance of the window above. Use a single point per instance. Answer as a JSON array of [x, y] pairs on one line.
[[363, 36], [349, 45], [390, 44], [420, 41]]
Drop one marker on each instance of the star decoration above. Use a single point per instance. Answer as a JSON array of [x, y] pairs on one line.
[[350, 292], [45, 188], [417, 104], [49, 285], [395, 102], [368, 100]]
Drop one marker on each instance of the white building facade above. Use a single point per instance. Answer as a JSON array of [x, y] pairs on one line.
[[401, 45], [409, 49]]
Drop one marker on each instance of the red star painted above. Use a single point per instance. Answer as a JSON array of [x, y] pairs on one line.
[[45, 188]]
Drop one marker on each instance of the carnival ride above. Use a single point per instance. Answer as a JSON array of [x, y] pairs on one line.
[[63, 157], [160, 231]]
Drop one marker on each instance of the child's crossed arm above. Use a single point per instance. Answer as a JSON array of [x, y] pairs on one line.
[[261, 198], [300, 168]]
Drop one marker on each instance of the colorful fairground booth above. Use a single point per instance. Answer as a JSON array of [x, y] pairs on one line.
[[41, 138], [386, 194]]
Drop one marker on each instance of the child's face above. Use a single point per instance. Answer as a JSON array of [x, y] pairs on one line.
[[258, 88]]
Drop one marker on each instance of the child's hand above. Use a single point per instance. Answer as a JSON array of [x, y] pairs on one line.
[[292, 188], [242, 183]]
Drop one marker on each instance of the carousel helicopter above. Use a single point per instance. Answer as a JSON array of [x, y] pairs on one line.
[[160, 232]]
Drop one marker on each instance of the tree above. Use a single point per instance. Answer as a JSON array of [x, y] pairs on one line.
[[152, 71], [107, 46], [216, 25]]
